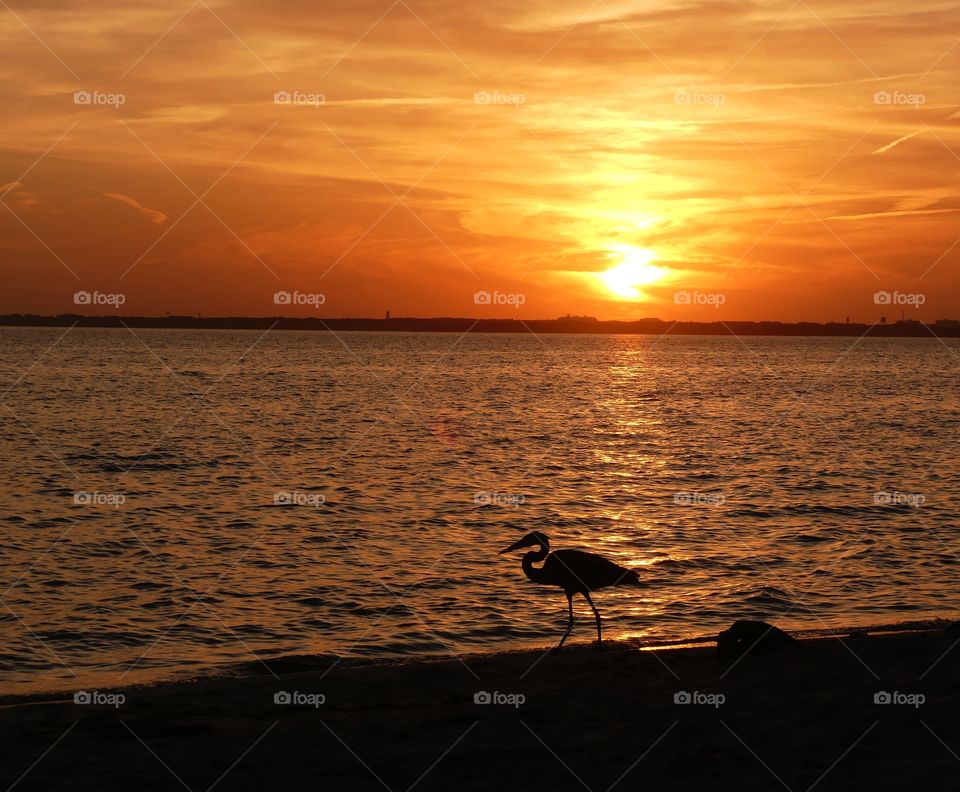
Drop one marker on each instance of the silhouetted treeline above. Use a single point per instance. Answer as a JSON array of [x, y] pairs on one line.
[[463, 325]]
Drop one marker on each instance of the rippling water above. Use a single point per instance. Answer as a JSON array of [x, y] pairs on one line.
[[739, 476]]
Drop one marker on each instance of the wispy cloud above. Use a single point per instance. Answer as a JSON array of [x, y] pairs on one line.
[[154, 215], [17, 193], [897, 142], [905, 213]]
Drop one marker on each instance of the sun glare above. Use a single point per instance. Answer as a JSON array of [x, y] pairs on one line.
[[633, 269]]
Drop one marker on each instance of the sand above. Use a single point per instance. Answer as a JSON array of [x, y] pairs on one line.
[[586, 720]]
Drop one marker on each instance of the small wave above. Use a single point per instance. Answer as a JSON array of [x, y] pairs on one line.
[[312, 601], [812, 538], [769, 595]]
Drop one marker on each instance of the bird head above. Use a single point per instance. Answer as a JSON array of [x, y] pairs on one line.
[[530, 540]]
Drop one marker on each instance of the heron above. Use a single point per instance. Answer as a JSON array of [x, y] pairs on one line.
[[575, 571]]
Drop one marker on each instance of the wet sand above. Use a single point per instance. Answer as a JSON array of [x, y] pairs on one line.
[[587, 720]]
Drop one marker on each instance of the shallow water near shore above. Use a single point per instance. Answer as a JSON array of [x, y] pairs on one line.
[[177, 502]]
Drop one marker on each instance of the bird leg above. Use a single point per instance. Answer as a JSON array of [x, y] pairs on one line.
[[596, 613], [569, 623]]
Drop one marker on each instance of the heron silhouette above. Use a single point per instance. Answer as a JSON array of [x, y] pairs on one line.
[[575, 571]]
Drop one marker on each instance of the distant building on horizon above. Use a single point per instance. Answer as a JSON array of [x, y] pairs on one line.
[[572, 318]]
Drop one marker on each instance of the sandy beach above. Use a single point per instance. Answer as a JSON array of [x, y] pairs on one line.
[[868, 711]]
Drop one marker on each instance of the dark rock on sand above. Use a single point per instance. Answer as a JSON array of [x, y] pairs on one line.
[[953, 630], [752, 637]]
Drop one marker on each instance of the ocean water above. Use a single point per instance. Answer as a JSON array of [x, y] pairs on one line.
[[180, 502]]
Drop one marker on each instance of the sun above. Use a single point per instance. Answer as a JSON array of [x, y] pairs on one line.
[[633, 269]]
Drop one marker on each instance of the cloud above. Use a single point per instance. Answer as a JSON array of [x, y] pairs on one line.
[[904, 213], [897, 142], [154, 215], [18, 194]]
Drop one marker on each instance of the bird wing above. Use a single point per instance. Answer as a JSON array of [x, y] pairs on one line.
[[579, 571]]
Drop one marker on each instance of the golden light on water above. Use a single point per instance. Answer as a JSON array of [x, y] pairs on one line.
[[633, 268]]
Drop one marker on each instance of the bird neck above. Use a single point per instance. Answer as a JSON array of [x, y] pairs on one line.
[[529, 559]]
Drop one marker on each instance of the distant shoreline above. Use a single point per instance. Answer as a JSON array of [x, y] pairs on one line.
[[573, 325]]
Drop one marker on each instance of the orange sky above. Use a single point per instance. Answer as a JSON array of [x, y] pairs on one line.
[[792, 158]]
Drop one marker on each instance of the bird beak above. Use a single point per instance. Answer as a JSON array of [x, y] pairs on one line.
[[514, 546]]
